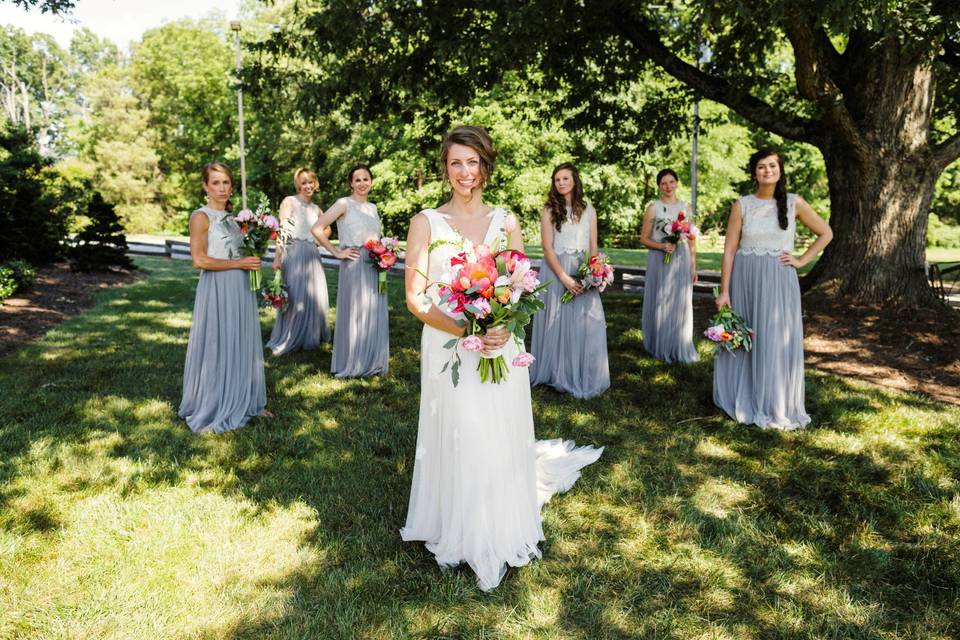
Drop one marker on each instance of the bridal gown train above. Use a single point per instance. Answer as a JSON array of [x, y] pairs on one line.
[[479, 476]]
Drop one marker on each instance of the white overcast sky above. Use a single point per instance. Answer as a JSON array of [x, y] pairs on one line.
[[122, 21]]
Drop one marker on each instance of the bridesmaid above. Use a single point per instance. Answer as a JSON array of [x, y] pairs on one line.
[[569, 340], [304, 324], [759, 281], [361, 337], [668, 288], [223, 383]]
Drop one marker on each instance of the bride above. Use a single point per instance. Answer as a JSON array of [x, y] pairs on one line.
[[479, 477]]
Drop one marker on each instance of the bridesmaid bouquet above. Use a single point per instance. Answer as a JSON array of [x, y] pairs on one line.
[[274, 295], [728, 330], [384, 253], [490, 288], [595, 273], [677, 231], [258, 229]]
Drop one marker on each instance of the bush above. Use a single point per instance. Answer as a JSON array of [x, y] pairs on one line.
[[8, 284], [15, 276], [942, 234], [102, 244], [33, 227]]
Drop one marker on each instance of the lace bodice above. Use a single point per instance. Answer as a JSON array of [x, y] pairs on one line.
[[663, 212], [440, 254], [304, 216], [574, 237], [358, 224], [760, 232], [224, 239]]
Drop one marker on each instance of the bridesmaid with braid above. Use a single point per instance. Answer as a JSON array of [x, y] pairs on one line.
[[361, 337], [668, 287], [223, 382], [569, 339], [303, 325], [765, 386]]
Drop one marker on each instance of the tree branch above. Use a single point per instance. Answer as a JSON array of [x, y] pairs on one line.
[[648, 42], [947, 151], [816, 59]]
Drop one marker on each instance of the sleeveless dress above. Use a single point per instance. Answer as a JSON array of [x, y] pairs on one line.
[[361, 338], [480, 477], [303, 325], [765, 386], [223, 382], [668, 295], [570, 340]]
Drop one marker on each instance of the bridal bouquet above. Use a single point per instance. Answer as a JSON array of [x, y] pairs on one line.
[[490, 288], [384, 253], [274, 294], [728, 330], [595, 273], [258, 229], [677, 231]]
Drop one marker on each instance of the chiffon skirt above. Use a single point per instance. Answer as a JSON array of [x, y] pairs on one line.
[[668, 307], [223, 381], [303, 325], [361, 338], [570, 340], [764, 386], [479, 476]]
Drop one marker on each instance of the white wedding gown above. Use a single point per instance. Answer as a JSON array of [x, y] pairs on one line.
[[480, 477]]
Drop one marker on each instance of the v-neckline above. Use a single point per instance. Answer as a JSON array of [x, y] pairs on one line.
[[443, 216]]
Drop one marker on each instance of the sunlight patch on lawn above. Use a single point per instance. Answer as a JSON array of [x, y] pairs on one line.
[[719, 497], [712, 448], [176, 562]]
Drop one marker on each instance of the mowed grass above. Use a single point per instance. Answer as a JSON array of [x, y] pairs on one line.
[[117, 522]]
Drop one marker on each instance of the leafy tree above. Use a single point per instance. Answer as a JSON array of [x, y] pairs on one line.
[[872, 84], [56, 7], [182, 73], [32, 228]]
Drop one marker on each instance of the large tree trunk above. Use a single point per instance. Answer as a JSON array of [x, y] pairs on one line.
[[879, 219]]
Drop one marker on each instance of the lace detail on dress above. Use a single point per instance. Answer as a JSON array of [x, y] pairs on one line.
[[358, 224], [304, 217], [574, 237], [663, 212], [760, 233], [224, 239]]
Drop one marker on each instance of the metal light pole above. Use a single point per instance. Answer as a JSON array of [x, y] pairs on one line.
[[696, 128], [235, 27]]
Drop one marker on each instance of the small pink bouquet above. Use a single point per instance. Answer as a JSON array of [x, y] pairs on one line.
[[677, 231], [729, 331], [258, 229], [384, 253], [490, 288], [595, 273], [274, 294]]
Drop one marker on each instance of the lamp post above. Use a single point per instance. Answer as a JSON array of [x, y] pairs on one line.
[[235, 27]]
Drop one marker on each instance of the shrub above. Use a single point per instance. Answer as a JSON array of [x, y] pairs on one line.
[[101, 245], [942, 234], [8, 284], [23, 273]]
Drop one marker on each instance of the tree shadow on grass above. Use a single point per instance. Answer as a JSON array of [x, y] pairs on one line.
[[687, 521]]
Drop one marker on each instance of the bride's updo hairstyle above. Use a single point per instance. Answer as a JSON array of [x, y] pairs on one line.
[[477, 139]]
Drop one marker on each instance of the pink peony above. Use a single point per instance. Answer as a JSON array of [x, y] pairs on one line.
[[270, 222], [472, 343], [483, 308], [244, 215], [714, 333], [529, 282], [523, 360]]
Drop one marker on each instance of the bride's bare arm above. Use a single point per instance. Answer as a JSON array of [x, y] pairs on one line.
[[418, 262]]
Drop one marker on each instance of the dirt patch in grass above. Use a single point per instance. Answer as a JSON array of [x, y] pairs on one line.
[[903, 349], [59, 294]]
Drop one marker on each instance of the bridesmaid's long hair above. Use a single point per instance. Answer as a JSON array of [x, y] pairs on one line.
[[780, 190], [221, 168], [557, 204]]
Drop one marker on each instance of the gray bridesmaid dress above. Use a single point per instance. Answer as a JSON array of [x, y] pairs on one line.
[[570, 340], [361, 338], [765, 386], [223, 382], [668, 295], [303, 325]]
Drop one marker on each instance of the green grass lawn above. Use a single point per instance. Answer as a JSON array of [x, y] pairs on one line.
[[117, 522]]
